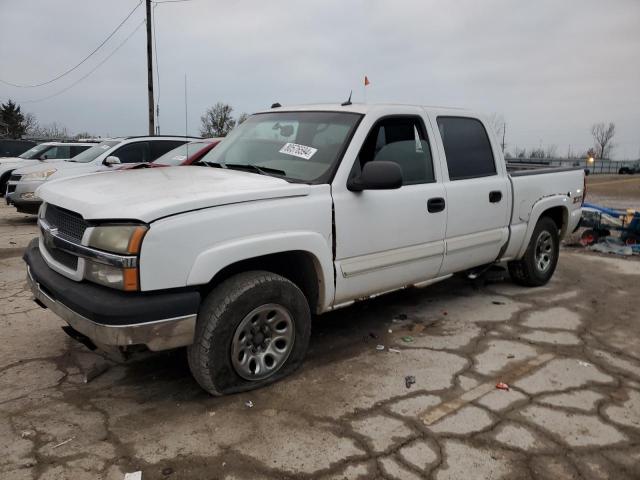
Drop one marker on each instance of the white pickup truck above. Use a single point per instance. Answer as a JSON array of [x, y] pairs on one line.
[[304, 210]]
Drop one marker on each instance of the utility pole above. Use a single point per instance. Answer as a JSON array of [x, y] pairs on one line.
[[504, 130], [152, 128]]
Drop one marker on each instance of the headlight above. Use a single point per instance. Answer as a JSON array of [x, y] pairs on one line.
[[116, 239], [40, 175]]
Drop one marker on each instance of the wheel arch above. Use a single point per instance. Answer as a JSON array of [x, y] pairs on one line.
[[307, 264], [554, 207]]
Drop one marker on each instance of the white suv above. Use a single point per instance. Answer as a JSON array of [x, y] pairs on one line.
[[21, 188]]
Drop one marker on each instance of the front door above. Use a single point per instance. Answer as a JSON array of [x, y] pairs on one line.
[[386, 239]]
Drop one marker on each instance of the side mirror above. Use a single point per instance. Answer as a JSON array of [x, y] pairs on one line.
[[111, 160], [43, 156], [377, 175]]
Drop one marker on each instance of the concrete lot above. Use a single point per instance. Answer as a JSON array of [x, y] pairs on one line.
[[570, 352]]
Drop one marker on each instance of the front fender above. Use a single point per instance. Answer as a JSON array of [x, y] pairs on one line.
[[211, 261]]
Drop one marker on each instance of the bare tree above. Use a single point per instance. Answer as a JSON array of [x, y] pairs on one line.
[[496, 120], [551, 151], [30, 123], [602, 136], [217, 121], [242, 118], [50, 130], [537, 153]]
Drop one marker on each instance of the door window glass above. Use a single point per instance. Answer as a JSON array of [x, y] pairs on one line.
[[467, 148], [401, 140], [133, 153]]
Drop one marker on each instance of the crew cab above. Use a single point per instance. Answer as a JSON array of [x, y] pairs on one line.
[[304, 210], [23, 183]]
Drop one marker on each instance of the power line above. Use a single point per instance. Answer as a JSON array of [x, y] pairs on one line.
[[171, 1], [91, 71], [19, 85]]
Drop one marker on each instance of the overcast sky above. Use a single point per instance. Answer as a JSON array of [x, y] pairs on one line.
[[552, 68]]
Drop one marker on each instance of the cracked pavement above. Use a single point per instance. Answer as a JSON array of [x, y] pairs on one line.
[[569, 351]]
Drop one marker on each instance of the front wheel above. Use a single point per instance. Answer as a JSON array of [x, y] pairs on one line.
[[539, 262], [253, 329]]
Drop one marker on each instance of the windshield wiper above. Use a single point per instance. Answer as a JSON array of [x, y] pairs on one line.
[[253, 168]]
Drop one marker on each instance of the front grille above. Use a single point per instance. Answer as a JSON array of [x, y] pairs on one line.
[[68, 223], [15, 177], [64, 258]]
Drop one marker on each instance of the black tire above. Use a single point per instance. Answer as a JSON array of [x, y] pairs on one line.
[[3, 183], [221, 313], [527, 271]]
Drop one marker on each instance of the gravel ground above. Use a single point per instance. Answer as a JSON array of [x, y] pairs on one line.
[[569, 352]]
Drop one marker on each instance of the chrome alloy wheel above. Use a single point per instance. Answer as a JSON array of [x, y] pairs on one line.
[[544, 251], [262, 342]]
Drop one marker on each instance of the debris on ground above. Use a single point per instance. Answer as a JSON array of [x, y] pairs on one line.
[[248, 404], [612, 245], [496, 302], [584, 364], [394, 350], [409, 380], [417, 328], [63, 443], [373, 335], [167, 471], [401, 317], [390, 331], [502, 386], [407, 339], [133, 475], [379, 347], [511, 355], [445, 313], [28, 434]]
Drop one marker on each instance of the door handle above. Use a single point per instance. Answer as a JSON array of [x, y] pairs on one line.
[[435, 205], [495, 196]]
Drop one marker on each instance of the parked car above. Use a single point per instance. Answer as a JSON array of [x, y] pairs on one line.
[[304, 210], [50, 151], [629, 170], [22, 186], [12, 148], [186, 154]]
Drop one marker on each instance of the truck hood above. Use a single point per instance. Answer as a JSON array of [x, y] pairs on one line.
[[152, 193]]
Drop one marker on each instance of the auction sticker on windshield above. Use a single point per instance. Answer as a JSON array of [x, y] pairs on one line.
[[297, 150]]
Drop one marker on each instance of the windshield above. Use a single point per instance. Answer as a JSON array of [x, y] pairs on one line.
[[94, 152], [305, 146], [180, 154], [35, 152]]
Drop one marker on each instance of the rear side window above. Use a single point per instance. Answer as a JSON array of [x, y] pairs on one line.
[[160, 147], [401, 140], [76, 149], [467, 148], [61, 151], [133, 152]]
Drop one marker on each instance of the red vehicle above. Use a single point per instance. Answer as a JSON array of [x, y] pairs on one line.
[[186, 154]]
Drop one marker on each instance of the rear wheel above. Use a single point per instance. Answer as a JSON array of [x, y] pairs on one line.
[[252, 330], [539, 262]]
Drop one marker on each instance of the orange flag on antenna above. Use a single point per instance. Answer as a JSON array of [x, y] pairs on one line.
[[366, 81]]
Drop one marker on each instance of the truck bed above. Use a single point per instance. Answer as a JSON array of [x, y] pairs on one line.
[[523, 169]]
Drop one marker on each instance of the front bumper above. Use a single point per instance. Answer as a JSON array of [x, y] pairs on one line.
[[160, 321], [22, 195]]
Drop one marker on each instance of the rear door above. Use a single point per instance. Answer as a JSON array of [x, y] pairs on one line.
[[386, 239], [476, 189]]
